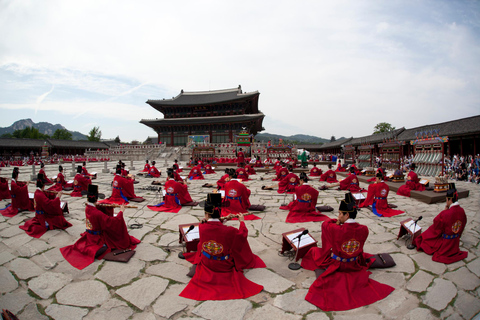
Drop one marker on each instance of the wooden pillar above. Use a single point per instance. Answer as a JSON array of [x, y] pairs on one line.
[[171, 137], [461, 146]]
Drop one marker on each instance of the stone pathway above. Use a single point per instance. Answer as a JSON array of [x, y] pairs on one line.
[[37, 283]]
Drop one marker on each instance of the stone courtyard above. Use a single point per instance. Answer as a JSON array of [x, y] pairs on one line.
[[37, 283]]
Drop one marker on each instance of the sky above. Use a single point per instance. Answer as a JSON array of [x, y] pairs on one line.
[[323, 68]]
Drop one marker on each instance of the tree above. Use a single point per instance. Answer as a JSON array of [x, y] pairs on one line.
[[332, 139], [383, 127], [95, 134], [62, 134], [29, 133], [117, 139]]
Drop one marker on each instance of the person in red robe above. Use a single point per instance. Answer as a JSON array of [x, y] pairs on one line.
[[45, 177], [103, 234], [411, 184], [176, 167], [350, 183], [19, 195], [80, 184], [240, 157], [221, 182], [442, 239], [122, 189], [48, 212], [85, 171], [176, 194], [4, 190], [242, 173], [146, 167], [154, 171], [315, 172], [281, 172], [379, 170], [60, 183], [340, 265], [340, 168], [329, 176], [377, 196], [196, 173], [237, 198], [258, 163], [250, 170], [223, 253], [287, 184], [208, 168], [278, 164], [302, 209]]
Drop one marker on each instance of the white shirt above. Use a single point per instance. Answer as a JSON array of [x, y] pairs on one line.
[[350, 220]]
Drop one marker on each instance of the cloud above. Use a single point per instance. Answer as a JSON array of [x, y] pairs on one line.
[[41, 98]]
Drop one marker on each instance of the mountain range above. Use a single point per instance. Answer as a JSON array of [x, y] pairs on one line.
[[296, 139], [43, 127]]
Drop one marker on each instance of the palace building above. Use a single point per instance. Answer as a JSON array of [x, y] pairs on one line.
[[219, 115]]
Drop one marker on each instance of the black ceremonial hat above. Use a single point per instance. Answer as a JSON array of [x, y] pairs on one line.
[[40, 176], [60, 168], [92, 190], [79, 169], [347, 205], [215, 199], [451, 190]]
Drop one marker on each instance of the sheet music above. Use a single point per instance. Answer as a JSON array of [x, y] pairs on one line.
[[180, 167], [305, 240], [54, 177], [390, 175], [70, 181], [93, 173], [183, 178], [62, 205], [423, 181], [31, 195], [222, 192], [410, 225], [164, 193], [192, 235], [358, 196]]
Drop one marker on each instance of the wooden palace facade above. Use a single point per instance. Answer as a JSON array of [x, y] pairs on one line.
[[219, 115]]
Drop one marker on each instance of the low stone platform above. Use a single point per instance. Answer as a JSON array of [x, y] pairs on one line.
[[426, 196]]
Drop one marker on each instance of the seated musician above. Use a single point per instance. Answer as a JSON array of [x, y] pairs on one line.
[[85, 171], [60, 183], [315, 172], [340, 168], [258, 163], [302, 209], [379, 170], [329, 176], [48, 212], [80, 183], [240, 157], [249, 169], [122, 189], [281, 172], [146, 167], [154, 173], [411, 184], [278, 164], [242, 172], [196, 173], [103, 234], [176, 167], [350, 183], [341, 265], [223, 253], [287, 184], [377, 198], [45, 177], [4, 191], [19, 195], [237, 197], [442, 239], [221, 182], [176, 195], [208, 168]]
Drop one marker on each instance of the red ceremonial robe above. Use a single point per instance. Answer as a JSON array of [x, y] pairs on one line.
[[351, 183], [330, 176], [344, 285], [60, 184], [242, 174], [46, 180], [177, 177], [315, 172], [240, 158], [237, 200], [196, 173], [209, 169], [119, 191], [221, 260], [442, 239], [373, 179], [411, 184], [288, 183], [146, 168], [154, 172], [20, 200], [177, 167], [101, 230], [258, 164], [250, 169], [377, 198], [80, 183], [282, 172], [221, 182], [48, 216], [176, 195], [4, 191], [302, 209]]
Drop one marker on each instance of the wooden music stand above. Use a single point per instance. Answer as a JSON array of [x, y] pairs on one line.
[[404, 229], [189, 245], [361, 197], [288, 245]]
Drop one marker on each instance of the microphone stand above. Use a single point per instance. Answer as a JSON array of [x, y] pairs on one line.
[[294, 265], [411, 246]]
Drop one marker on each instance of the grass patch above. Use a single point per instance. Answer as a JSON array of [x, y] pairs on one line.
[[132, 306], [33, 295]]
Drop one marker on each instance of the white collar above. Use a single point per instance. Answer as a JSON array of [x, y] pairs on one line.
[[350, 220], [14, 180], [90, 204], [455, 204], [214, 220]]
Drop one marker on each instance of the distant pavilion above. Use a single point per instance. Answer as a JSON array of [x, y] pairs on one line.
[[220, 114]]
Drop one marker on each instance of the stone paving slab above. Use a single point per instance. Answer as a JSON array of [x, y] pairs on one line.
[[143, 292], [217, 309], [48, 283], [7, 281], [88, 293], [440, 294], [16, 300], [170, 303], [118, 273], [60, 312]]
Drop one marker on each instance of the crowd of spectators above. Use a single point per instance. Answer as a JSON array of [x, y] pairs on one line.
[[463, 168]]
